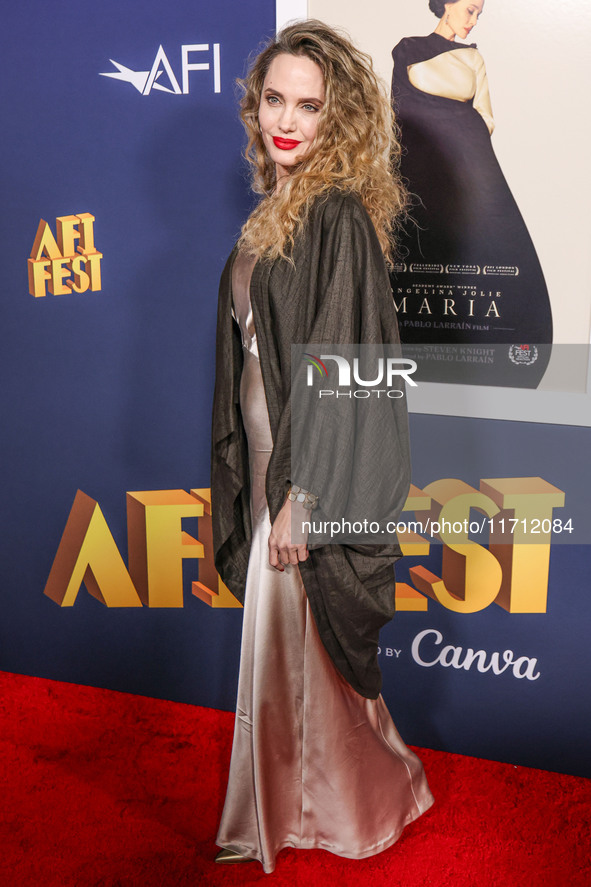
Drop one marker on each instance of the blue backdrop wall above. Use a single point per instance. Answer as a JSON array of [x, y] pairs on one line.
[[109, 119]]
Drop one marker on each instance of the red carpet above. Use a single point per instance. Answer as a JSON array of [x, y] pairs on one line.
[[105, 789]]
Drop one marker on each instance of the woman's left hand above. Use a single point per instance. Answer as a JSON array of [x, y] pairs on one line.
[[288, 526]]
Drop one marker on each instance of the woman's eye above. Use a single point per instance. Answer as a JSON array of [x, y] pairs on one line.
[[272, 99], [309, 107]]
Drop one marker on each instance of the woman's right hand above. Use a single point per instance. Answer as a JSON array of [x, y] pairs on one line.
[[285, 548]]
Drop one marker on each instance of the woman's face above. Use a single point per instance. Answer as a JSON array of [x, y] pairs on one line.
[[462, 16], [291, 101]]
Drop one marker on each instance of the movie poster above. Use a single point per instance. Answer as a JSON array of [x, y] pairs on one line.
[[492, 269]]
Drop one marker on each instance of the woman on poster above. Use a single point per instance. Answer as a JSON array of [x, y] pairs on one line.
[[470, 272], [316, 759]]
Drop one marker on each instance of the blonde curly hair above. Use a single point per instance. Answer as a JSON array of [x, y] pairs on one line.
[[355, 149]]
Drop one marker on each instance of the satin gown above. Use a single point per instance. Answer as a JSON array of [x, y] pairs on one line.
[[314, 764]]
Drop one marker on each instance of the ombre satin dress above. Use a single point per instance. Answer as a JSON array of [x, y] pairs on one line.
[[314, 764]]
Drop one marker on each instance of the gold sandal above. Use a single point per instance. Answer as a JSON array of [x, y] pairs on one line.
[[229, 857]]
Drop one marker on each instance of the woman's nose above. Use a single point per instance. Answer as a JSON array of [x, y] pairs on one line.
[[287, 119]]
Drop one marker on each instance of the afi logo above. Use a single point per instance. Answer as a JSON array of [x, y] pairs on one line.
[[146, 81]]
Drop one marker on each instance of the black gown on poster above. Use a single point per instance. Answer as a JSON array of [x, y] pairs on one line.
[[468, 273]]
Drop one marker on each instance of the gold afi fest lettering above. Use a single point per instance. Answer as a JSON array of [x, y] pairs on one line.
[[68, 262], [512, 572]]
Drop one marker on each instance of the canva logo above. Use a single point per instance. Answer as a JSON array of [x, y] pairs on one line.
[[67, 262], [451, 656], [161, 71]]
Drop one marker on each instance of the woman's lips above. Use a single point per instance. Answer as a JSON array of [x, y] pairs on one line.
[[285, 144]]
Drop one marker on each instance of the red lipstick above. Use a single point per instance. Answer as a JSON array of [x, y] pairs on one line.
[[285, 144]]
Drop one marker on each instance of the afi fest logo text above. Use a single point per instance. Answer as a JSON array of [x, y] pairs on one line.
[[67, 262], [523, 355], [511, 573], [388, 369], [146, 81]]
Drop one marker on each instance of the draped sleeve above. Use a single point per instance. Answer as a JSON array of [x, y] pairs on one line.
[[352, 452], [230, 488], [334, 291]]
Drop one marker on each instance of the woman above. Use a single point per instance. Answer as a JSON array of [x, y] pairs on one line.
[[470, 272], [316, 759]]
